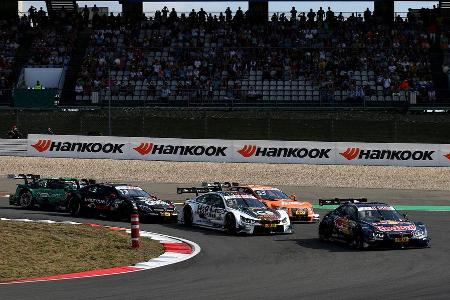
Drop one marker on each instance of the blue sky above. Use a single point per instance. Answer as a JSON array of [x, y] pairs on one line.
[[273, 6]]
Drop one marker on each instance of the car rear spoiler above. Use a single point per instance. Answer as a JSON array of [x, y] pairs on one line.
[[25, 177], [225, 184], [85, 181], [337, 201], [198, 190]]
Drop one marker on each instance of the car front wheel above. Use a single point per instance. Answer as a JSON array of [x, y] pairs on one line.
[[75, 207], [26, 199], [230, 224], [187, 216]]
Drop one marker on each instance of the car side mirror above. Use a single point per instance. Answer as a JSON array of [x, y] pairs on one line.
[[293, 197], [405, 215]]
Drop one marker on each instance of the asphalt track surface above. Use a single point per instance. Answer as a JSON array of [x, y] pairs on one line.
[[269, 267]]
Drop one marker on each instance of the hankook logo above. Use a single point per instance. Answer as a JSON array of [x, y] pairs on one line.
[[253, 150], [373, 154], [144, 148], [350, 153], [42, 145], [195, 150]]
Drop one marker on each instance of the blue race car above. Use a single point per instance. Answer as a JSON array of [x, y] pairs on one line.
[[364, 224]]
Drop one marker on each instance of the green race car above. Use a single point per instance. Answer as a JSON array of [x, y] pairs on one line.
[[49, 193]]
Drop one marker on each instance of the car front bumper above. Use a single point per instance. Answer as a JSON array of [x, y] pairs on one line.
[[261, 229], [388, 242], [312, 218]]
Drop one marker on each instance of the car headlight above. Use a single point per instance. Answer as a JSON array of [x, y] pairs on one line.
[[420, 233], [285, 220], [248, 221]]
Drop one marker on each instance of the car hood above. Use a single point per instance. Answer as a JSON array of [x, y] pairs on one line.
[[262, 213], [289, 203], [393, 226]]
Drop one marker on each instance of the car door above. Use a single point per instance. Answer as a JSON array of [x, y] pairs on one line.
[[346, 220], [217, 210], [94, 197], [57, 192], [199, 208]]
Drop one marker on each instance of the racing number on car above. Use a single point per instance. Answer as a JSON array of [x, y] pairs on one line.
[[203, 210], [210, 212]]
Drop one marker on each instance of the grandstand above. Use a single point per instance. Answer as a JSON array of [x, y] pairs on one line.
[[88, 57]]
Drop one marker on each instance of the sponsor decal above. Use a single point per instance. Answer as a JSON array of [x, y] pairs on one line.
[[342, 224], [42, 145], [447, 155], [48, 145], [144, 148], [373, 154], [365, 208], [195, 150], [253, 150], [396, 228]]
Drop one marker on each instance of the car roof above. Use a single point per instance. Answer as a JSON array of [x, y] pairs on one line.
[[367, 204], [230, 193]]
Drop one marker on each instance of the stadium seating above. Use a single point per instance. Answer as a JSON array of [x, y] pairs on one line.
[[283, 62]]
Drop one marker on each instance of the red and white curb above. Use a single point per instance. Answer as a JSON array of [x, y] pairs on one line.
[[176, 250]]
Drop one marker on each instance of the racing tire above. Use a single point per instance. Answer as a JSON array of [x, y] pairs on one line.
[[324, 233], [26, 199], [230, 224], [358, 241], [75, 207], [187, 217]]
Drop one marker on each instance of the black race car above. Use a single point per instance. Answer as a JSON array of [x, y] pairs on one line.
[[119, 201], [362, 224]]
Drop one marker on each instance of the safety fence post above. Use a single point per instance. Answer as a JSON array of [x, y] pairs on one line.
[[135, 230]]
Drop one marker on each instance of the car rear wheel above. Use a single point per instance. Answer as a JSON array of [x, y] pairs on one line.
[[230, 224], [187, 216], [26, 199]]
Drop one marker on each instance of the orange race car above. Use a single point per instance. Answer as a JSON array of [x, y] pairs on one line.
[[276, 199]]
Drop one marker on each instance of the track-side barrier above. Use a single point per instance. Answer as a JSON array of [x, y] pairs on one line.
[[237, 151]]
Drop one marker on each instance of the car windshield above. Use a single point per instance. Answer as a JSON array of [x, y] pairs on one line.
[[132, 191], [271, 194], [379, 213], [244, 202]]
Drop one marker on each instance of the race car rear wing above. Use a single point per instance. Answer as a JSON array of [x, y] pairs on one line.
[[84, 181], [25, 177], [337, 201], [198, 190], [225, 184]]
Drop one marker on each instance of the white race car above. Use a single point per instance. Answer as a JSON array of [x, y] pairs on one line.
[[233, 212]]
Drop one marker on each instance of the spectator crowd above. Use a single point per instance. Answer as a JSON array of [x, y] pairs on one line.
[[199, 55], [205, 53]]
